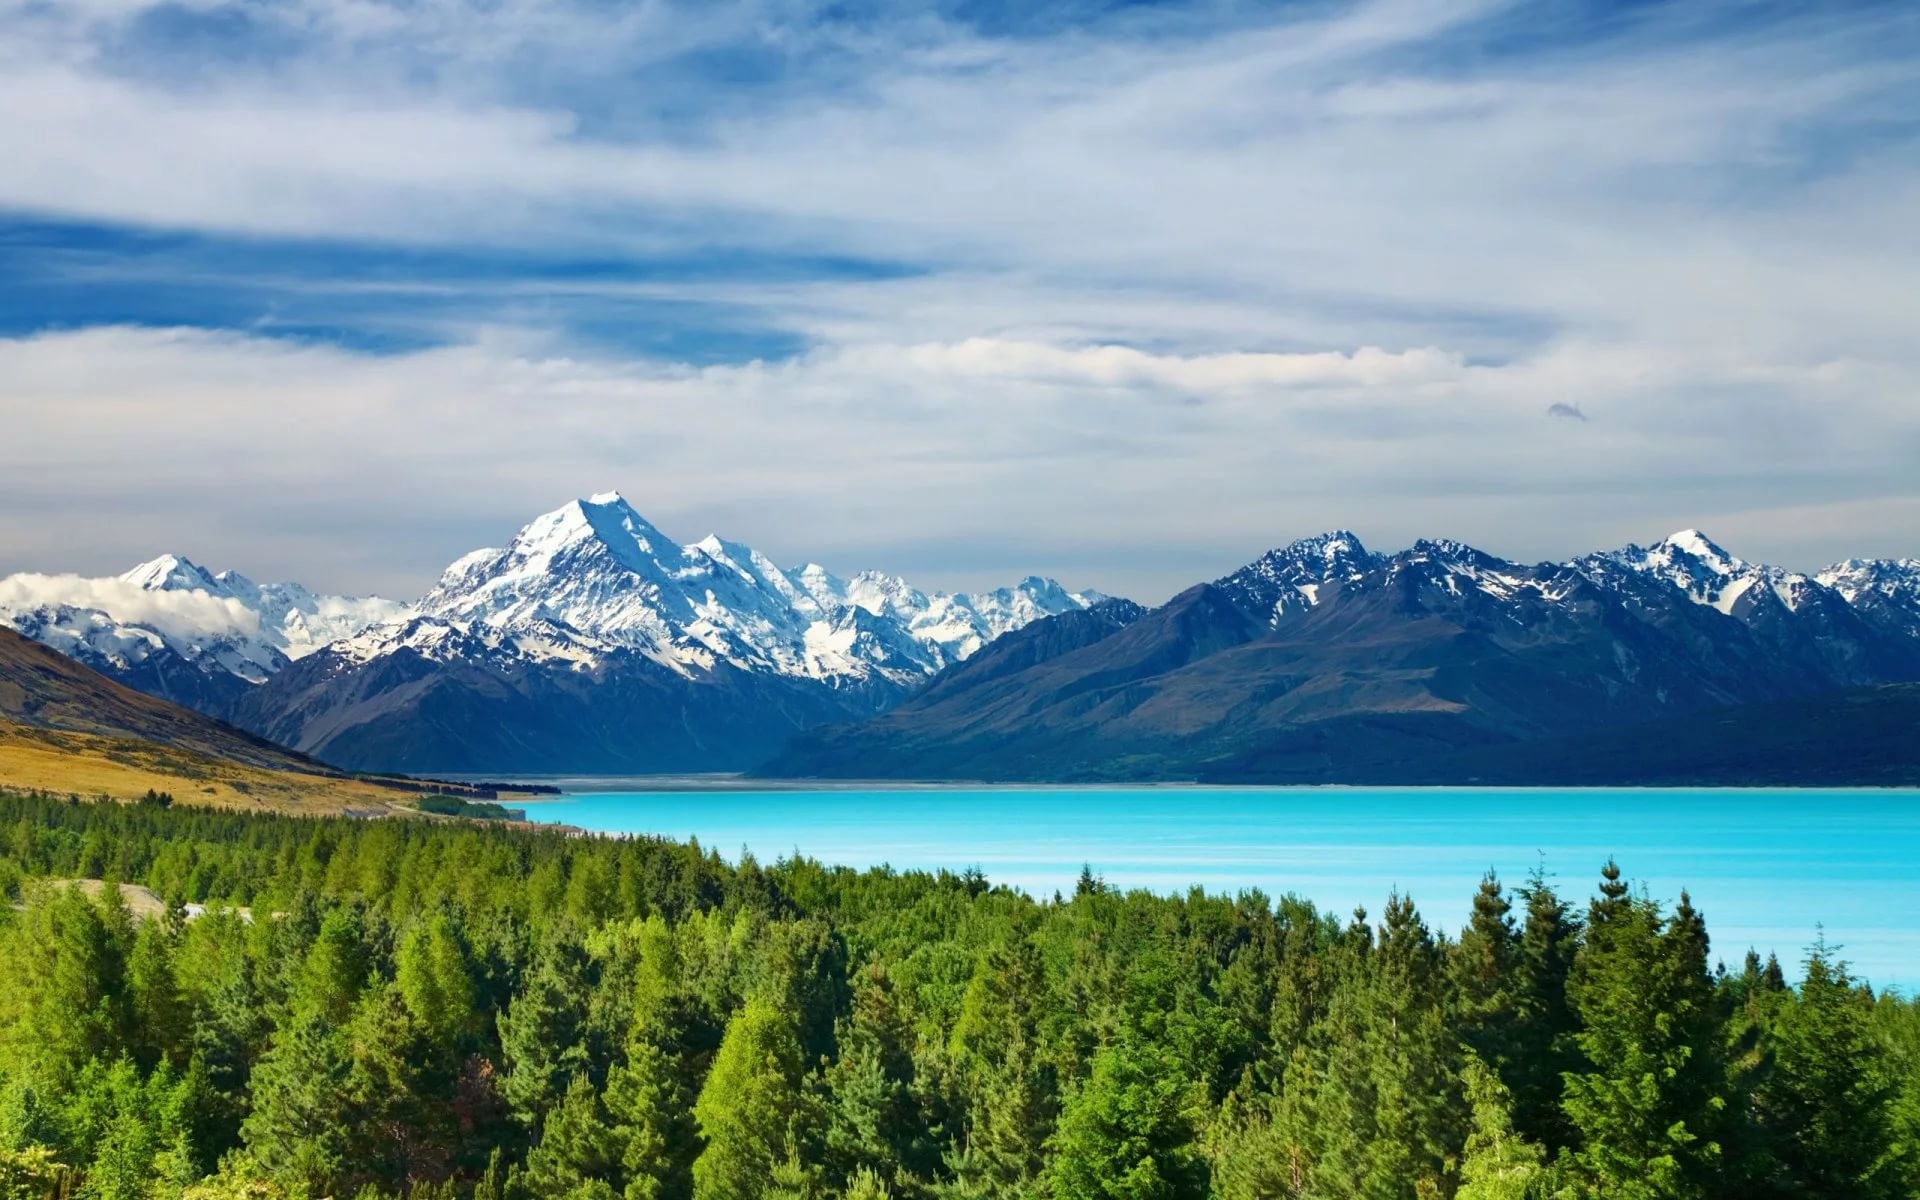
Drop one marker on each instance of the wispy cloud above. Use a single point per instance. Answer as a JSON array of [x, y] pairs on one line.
[[954, 462], [747, 254]]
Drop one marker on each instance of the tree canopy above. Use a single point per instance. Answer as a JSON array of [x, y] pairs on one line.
[[478, 1011]]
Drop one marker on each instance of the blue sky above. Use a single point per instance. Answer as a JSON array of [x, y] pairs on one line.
[[339, 289]]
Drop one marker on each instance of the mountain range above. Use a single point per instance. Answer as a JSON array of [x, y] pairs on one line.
[[591, 642], [1323, 661], [175, 630]]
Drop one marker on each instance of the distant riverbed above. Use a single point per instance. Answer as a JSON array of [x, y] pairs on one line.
[[1768, 868]]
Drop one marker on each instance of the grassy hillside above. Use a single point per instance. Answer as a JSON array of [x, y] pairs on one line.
[[69, 730], [43, 688], [93, 765]]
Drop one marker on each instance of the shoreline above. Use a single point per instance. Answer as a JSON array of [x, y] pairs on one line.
[[614, 785]]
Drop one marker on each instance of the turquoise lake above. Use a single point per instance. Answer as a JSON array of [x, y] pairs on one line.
[[1768, 868]]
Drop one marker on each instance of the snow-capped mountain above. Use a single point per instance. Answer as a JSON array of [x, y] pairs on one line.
[[174, 629], [1799, 617], [1884, 591], [1324, 662], [588, 584], [631, 652], [1854, 622], [1292, 578], [599, 570], [288, 621], [1692, 562], [592, 641]]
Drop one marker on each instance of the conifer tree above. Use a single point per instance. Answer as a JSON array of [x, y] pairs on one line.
[[433, 975], [399, 1084], [1541, 1044], [649, 1095], [298, 1128], [1126, 1134], [1829, 1101], [334, 970], [1483, 976], [578, 1156], [752, 1111], [63, 994], [1498, 1163], [157, 1019], [1412, 1059], [542, 1034], [1010, 1095], [873, 1123], [1646, 1103]]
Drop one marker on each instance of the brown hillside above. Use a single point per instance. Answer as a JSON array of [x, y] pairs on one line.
[[65, 728]]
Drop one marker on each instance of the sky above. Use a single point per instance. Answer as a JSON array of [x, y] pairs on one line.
[[1123, 293]]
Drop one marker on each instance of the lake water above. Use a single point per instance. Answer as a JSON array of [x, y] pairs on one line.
[[1768, 868]]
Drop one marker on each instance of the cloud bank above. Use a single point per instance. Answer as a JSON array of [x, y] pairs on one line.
[[338, 289], [175, 615]]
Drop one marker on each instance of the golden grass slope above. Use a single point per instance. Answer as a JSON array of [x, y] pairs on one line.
[[92, 765], [43, 688], [67, 729]]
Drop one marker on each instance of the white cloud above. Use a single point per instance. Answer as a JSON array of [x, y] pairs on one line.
[[175, 615], [1125, 366], [1168, 299], [958, 463]]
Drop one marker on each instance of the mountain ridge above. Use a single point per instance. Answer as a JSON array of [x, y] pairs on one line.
[[592, 588], [1341, 663], [591, 641]]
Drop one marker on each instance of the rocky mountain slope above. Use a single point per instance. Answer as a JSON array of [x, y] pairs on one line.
[[1324, 661]]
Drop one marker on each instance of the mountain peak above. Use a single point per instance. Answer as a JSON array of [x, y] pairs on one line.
[[1699, 546], [604, 517], [1291, 578], [1331, 545], [1444, 548], [171, 572]]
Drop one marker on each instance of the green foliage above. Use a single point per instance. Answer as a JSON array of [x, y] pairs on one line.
[[543, 1032], [1830, 1099], [418, 1010], [1648, 1102], [752, 1112], [33, 1173], [436, 981], [579, 1154], [455, 806], [1127, 1133], [1499, 1164]]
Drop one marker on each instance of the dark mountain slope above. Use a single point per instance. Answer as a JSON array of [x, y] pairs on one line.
[[45, 689], [473, 711], [1858, 737], [65, 728], [1325, 663]]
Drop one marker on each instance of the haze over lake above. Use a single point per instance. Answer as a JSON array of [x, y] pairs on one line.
[[1768, 868]]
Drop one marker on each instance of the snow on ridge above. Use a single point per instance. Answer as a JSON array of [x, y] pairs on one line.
[[1704, 549], [1856, 577], [221, 624], [599, 567]]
